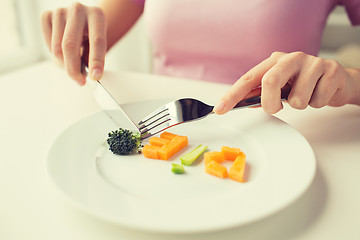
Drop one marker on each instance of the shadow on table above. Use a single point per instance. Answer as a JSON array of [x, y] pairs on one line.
[[336, 125]]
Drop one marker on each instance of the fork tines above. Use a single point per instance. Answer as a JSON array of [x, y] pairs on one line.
[[154, 120]]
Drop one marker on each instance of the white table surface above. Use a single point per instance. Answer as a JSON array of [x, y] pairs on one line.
[[39, 102]]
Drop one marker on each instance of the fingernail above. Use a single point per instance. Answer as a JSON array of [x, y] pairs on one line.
[[96, 74], [219, 107], [81, 82]]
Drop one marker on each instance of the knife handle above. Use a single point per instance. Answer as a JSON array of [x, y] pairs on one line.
[[84, 68]]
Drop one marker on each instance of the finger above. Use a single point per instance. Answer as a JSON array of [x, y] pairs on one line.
[[58, 24], [323, 92], [327, 86], [253, 93], [246, 83], [72, 40], [276, 78], [305, 83], [97, 42], [46, 25]]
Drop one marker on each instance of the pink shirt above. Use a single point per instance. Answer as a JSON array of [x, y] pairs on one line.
[[219, 41]]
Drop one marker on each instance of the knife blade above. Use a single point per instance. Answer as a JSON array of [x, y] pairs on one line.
[[110, 106], [114, 110]]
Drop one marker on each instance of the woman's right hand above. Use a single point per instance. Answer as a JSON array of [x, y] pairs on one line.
[[67, 29]]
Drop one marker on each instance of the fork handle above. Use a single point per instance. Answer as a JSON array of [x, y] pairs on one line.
[[256, 101]]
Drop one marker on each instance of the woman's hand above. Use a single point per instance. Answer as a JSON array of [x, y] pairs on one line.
[[67, 30], [315, 81]]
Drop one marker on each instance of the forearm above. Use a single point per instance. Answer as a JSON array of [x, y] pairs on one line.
[[120, 15], [354, 79]]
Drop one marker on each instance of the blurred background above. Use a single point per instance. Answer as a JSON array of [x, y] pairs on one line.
[[22, 44]]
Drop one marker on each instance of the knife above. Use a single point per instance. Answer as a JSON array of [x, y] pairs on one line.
[[112, 109]]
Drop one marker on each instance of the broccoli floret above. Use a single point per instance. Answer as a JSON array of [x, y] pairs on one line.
[[124, 142]]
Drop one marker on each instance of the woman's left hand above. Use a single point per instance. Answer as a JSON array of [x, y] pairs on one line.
[[315, 81]]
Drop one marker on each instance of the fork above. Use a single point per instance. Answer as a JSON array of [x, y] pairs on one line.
[[187, 110]]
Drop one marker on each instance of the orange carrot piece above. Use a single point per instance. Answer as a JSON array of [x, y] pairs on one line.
[[237, 169], [156, 141], [174, 146], [216, 156], [216, 169], [151, 151], [230, 153], [167, 135]]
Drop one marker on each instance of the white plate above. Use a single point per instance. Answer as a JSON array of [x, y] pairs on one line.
[[144, 194]]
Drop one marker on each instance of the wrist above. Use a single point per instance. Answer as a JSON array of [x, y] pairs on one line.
[[354, 78]]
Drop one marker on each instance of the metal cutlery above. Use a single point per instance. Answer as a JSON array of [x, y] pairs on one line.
[[187, 110], [113, 110]]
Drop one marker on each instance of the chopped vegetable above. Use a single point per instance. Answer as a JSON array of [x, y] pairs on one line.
[[216, 169], [156, 141], [213, 156], [167, 135], [190, 157], [174, 146], [230, 153], [214, 159], [124, 142], [151, 151], [237, 169], [177, 168]]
